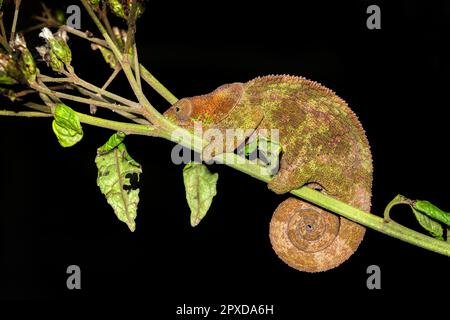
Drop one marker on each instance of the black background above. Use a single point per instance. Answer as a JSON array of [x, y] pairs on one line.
[[396, 79]]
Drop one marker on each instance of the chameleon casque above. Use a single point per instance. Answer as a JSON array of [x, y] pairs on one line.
[[324, 147]]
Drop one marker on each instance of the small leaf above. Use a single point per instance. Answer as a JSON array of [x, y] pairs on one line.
[[115, 170], [433, 227], [66, 126], [112, 143], [432, 211], [201, 187]]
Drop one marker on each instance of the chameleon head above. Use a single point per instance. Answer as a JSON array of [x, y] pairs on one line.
[[209, 109]]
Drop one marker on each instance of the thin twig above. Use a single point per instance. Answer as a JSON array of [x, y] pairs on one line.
[[28, 114], [73, 78], [104, 16], [131, 27], [128, 128], [148, 110], [3, 37], [16, 16], [136, 67], [124, 114], [111, 106], [2, 26], [112, 77], [85, 35], [144, 73]]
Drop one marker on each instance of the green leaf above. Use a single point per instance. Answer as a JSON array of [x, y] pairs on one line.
[[66, 126], [115, 170], [433, 227], [429, 224], [113, 142], [201, 187], [432, 211]]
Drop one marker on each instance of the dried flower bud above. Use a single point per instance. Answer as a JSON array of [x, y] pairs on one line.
[[26, 61], [57, 44], [107, 54], [50, 57], [121, 37], [122, 8], [9, 70]]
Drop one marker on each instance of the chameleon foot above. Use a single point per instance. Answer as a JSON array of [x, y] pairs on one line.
[[311, 239]]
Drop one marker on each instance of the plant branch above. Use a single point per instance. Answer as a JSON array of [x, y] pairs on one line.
[[124, 114], [14, 24], [149, 111], [107, 105], [101, 91], [136, 67], [144, 73], [28, 114], [85, 35], [156, 85]]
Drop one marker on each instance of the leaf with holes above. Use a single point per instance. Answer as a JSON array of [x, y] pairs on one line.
[[201, 187], [66, 126], [115, 171]]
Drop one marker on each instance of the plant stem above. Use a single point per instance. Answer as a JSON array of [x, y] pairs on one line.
[[149, 111], [103, 92], [2, 26], [3, 37], [157, 86], [124, 114], [111, 77], [136, 66], [28, 114], [107, 105], [128, 128], [374, 222], [14, 24], [85, 35], [145, 74]]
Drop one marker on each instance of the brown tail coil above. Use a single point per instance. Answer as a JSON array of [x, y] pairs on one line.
[[311, 239]]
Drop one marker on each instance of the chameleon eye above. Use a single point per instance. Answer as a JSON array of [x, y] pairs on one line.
[[183, 109]]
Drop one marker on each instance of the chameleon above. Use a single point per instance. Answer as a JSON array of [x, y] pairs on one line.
[[324, 146]]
